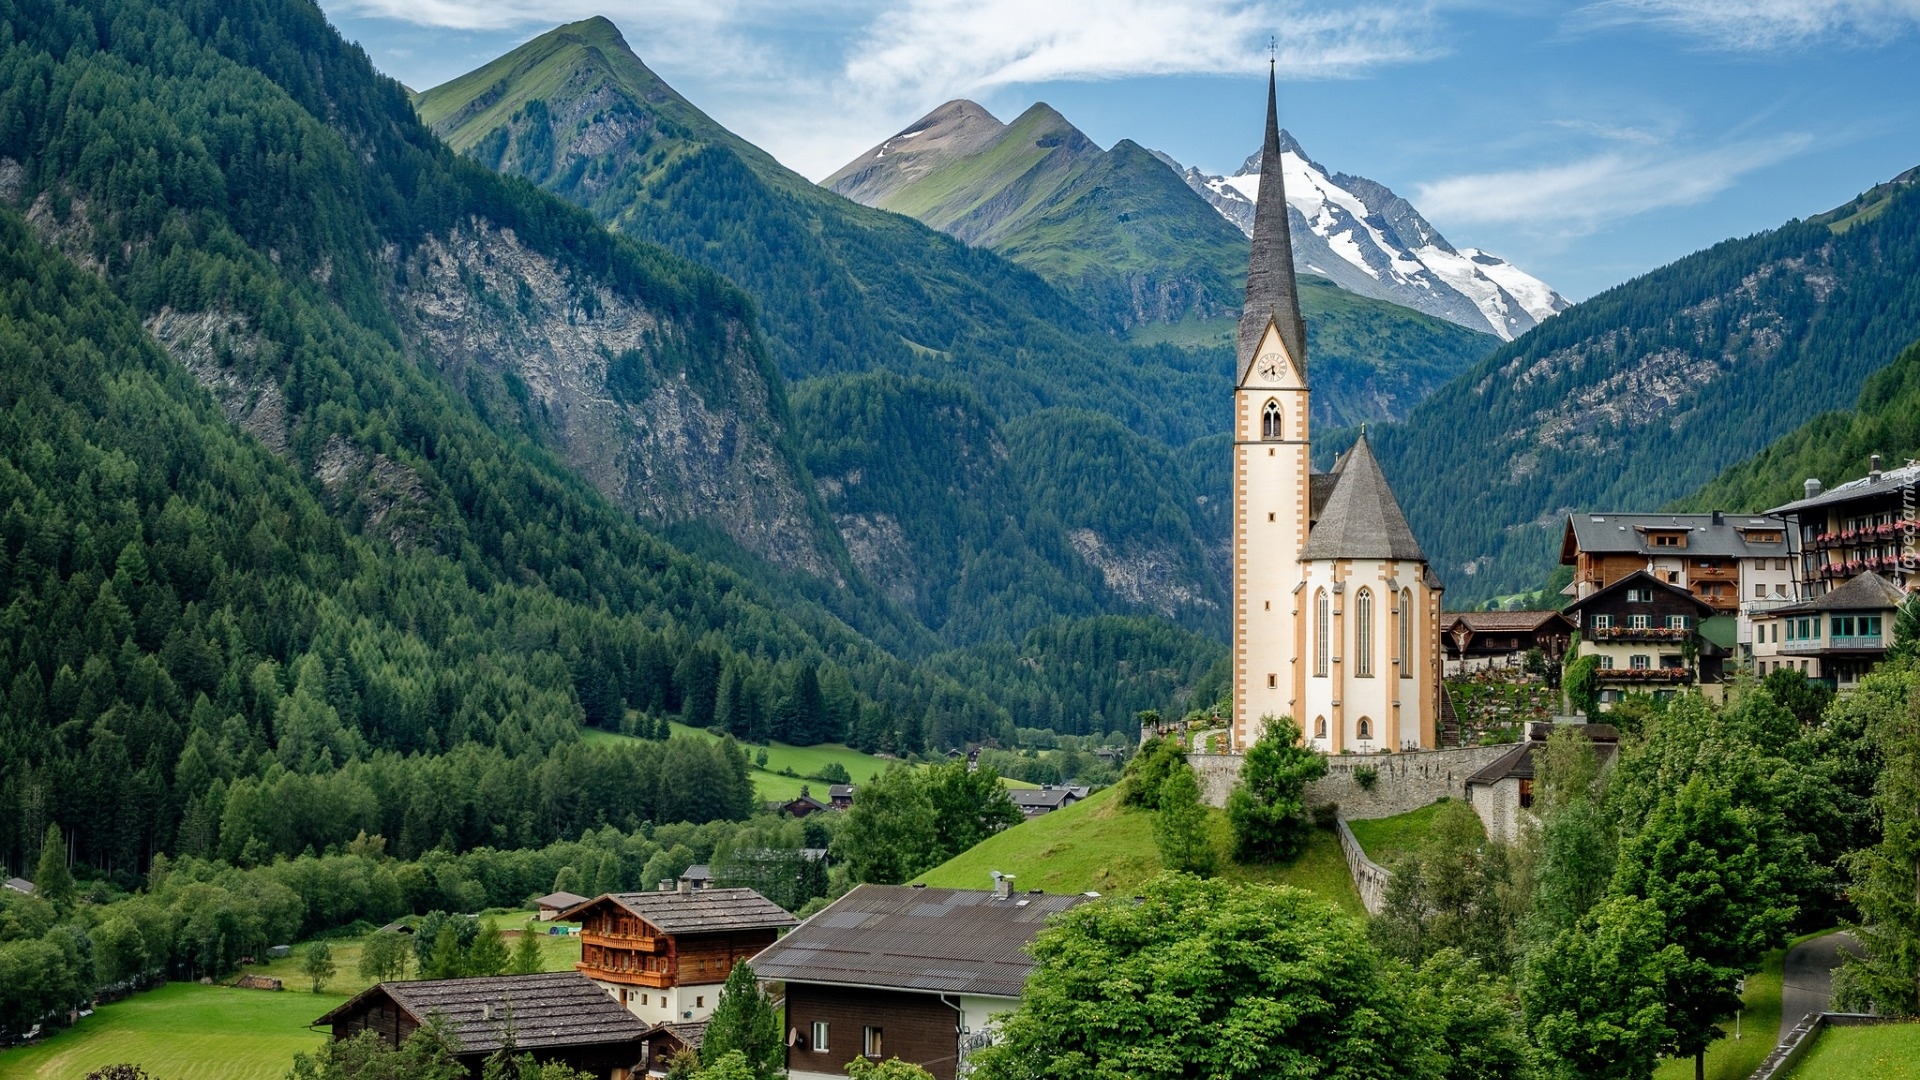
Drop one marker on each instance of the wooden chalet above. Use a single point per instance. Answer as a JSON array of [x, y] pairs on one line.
[[803, 804], [1046, 799], [555, 1016], [1476, 640], [840, 796], [1642, 629], [901, 971], [665, 955]]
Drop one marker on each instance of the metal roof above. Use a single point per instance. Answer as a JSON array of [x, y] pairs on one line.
[[953, 941], [1614, 533], [555, 1008], [1362, 519], [1272, 293], [1887, 482], [561, 900], [699, 911]]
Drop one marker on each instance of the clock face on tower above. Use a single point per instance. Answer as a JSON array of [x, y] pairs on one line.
[[1268, 365]]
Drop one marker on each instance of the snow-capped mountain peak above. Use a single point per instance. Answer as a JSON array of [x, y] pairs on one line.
[[1373, 242]]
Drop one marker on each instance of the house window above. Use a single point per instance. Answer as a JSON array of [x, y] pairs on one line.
[[1365, 728], [1759, 590], [1842, 626], [1779, 564], [1641, 661], [700, 1002], [1870, 626], [1602, 622], [1665, 540], [1363, 634], [1270, 420], [1321, 618], [819, 1036], [1603, 661], [872, 1043], [1639, 622], [1676, 622]]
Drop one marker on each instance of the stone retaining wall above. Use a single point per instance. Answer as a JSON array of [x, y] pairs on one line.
[[1402, 782], [1369, 877]]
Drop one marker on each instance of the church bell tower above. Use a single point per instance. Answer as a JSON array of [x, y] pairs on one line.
[[1272, 470]]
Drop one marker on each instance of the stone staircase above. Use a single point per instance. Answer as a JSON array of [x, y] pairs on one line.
[[1449, 726]]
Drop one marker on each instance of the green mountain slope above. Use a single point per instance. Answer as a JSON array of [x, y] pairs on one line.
[[842, 288], [1644, 393], [1832, 447], [265, 512]]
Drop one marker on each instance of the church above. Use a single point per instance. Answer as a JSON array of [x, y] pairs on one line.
[[1336, 614]]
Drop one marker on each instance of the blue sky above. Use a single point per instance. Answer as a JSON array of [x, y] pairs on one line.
[[1586, 142]]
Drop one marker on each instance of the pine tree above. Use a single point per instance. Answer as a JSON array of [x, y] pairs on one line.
[[527, 954], [447, 960], [1180, 825], [488, 954], [52, 881], [744, 1022]]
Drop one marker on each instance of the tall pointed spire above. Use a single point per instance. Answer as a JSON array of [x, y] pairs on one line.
[[1272, 294]]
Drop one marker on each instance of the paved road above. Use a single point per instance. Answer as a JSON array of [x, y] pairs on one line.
[[1808, 977]]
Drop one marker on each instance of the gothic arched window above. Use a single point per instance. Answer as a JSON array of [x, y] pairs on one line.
[[1321, 620], [1363, 634], [1406, 633], [1365, 730], [1320, 727], [1270, 420]]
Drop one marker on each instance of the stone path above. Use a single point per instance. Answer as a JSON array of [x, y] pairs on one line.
[[1807, 977]]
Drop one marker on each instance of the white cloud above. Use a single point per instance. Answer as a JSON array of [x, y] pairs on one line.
[[1578, 198], [966, 46], [1763, 25], [509, 14]]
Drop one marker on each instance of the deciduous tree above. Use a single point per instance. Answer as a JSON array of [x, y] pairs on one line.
[[1180, 825], [1267, 810]]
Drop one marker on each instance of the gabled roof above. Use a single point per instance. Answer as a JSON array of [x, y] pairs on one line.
[[1866, 592], [1051, 798], [555, 1008], [21, 885], [1362, 519], [1707, 538], [1888, 482], [1272, 294], [953, 941], [1516, 763], [1636, 580], [840, 791], [697, 872], [699, 911], [560, 900], [1481, 622]]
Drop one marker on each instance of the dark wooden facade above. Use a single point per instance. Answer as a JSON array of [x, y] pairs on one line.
[[914, 1027], [621, 948]]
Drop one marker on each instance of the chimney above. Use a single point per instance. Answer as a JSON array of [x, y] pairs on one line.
[[1719, 519], [1813, 487], [685, 885], [666, 884], [1873, 468], [1002, 885]]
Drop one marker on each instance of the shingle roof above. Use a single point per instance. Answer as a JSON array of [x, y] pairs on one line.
[[691, 1033], [1639, 579], [1319, 490], [1629, 532], [1362, 519], [1887, 483], [1481, 622], [556, 1008], [698, 872], [954, 941], [1517, 762], [21, 885], [1866, 592], [1052, 798], [1272, 293], [561, 900], [701, 910]]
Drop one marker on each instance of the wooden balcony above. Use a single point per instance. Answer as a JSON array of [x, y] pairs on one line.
[[657, 980], [634, 943]]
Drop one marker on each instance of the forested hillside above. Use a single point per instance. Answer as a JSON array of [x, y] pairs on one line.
[[1639, 396], [842, 288], [256, 529], [1833, 447]]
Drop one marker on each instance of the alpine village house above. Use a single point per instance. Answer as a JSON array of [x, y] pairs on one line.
[[665, 955]]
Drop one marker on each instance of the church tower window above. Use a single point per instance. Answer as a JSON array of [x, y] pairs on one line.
[[1320, 617], [1270, 420], [1363, 634], [1406, 633], [1320, 727]]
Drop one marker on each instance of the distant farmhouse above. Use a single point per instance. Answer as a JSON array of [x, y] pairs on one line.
[[904, 971], [665, 955], [1047, 798]]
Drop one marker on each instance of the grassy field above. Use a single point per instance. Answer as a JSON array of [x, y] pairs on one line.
[[1886, 1052], [1096, 845], [770, 783], [1385, 839], [1735, 1059], [185, 1031]]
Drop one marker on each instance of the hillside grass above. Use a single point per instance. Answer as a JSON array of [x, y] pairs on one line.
[[183, 1031], [1386, 839], [1098, 845], [1883, 1052]]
